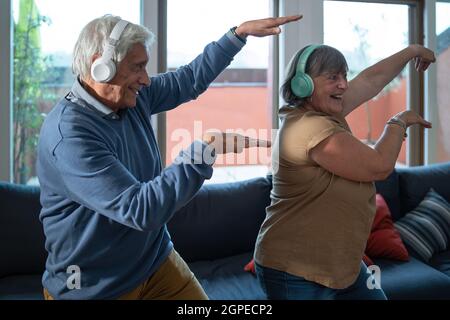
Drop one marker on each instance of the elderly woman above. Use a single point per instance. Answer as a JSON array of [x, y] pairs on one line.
[[312, 241]]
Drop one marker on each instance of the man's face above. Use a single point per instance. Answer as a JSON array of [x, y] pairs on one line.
[[121, 92]]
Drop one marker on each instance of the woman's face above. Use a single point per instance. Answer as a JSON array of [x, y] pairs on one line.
[[328, 93]]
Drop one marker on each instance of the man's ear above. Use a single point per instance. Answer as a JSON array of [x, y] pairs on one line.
[[90, 81], [95, 57]]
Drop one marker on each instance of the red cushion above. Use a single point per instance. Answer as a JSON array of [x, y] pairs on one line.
[[384, 240], [367, 260], [250, 266]]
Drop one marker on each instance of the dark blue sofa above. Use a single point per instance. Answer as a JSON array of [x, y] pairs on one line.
[[216, 232]]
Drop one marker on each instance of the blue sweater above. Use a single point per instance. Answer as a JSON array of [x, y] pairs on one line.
[[105, 199]]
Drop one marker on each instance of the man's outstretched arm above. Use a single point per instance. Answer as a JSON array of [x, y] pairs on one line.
[[169, 90]]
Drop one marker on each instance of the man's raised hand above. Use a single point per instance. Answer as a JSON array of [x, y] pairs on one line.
[[264, 27], [224, 142]]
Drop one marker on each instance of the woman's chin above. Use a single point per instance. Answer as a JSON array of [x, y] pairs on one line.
[[338, 107]]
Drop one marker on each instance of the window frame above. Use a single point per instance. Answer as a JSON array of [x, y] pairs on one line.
[[310, 29]]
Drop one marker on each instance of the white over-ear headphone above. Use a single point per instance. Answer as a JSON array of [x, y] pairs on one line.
[[103, 69]]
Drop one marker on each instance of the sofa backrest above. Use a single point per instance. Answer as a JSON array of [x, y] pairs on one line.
[[222, 220], [415, 182], [405, 188], [22, 239], [389, 189]]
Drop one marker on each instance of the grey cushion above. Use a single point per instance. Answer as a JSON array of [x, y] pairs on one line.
[[426, 229]]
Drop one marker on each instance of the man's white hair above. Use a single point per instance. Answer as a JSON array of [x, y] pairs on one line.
[[94, 37]]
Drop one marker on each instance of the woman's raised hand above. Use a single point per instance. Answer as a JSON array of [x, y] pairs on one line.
[[423, 57], [410, 117]]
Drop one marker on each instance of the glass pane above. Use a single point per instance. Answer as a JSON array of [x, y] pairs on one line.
[[45, 32], [239, 99], [361, 37], [443, 79]]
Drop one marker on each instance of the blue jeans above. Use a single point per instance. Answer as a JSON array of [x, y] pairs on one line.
[[280, 285]]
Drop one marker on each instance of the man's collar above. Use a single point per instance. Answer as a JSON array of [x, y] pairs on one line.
[[80, 93]]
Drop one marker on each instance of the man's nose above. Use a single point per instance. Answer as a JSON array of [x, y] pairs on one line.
[[144, 79]]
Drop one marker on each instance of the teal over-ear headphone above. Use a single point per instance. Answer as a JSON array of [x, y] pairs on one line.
[[301, 84]]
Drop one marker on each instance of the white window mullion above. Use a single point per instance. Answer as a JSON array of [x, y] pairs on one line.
[[6, 23], [273, 80], [154, 17], [302, 33], [430, 108]]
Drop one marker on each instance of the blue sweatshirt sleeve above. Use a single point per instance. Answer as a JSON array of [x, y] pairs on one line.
[[92, 176], [169, 90]]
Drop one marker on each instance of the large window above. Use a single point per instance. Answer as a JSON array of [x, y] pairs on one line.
[[239, 99], [45, 32], [443, 80], [364, 39]]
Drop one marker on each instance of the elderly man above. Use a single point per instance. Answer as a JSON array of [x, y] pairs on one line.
[[105, 197]]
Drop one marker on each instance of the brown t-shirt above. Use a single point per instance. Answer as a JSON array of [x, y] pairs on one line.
[[318, 223]]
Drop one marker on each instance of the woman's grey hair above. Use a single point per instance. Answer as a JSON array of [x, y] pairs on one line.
[[94, 36], [324, 59]]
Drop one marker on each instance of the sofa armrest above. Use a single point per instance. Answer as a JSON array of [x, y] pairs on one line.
[[22, 242]]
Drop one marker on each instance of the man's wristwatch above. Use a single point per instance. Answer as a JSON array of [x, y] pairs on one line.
[[233, 31], [400, 123]]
